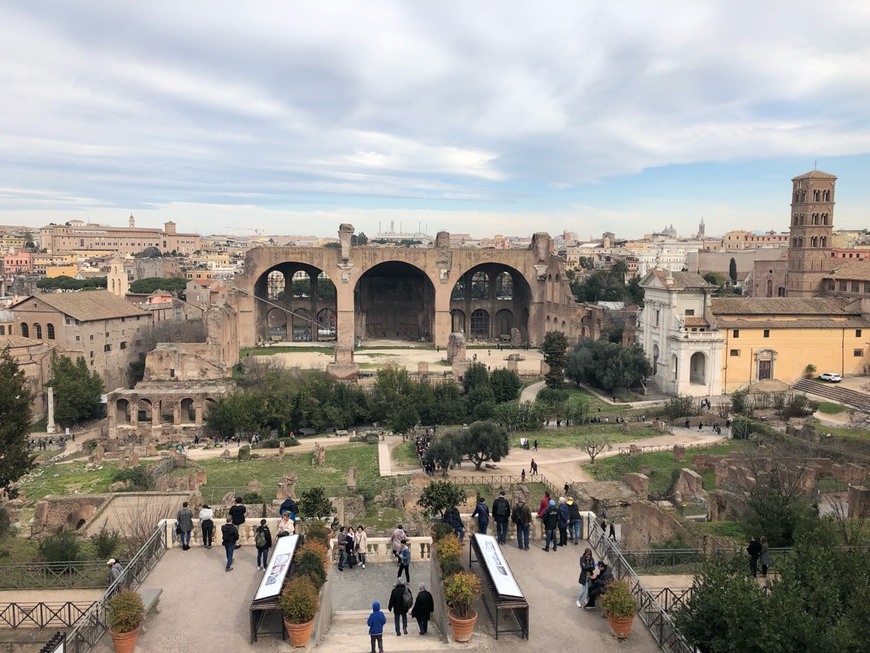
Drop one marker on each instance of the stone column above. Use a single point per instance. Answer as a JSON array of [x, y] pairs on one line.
[[51, 427], [443, 323], [197, 409], [344, 312]]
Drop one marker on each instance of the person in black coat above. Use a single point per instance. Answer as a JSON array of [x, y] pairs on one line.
[[423, 608], [263, 551], [397, 607]]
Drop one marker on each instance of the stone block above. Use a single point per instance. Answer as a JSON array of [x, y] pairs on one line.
[[679, 453], [422, 368], [637, 482], [689, 484], [646, 470]]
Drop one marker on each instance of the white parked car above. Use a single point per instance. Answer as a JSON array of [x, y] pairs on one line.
[[830, 377]]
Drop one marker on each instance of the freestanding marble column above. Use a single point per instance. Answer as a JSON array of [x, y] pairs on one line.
[[50, 427]]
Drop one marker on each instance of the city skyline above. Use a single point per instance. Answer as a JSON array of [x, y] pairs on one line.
[[483, 119]]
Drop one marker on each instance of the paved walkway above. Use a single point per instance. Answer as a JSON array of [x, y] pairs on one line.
[[203, 608], [530, 392]]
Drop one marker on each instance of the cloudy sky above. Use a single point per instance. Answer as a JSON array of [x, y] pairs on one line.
[[481, 117]]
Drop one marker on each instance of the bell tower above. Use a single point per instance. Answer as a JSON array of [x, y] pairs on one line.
[[811, 233]]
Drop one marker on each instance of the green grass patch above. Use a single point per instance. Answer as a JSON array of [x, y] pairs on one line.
[[595, 403], [18, 549], [845, 432], [830, 408], [661, 462], [729, 529], [233, 475], [405, 455], [68, 478], [574, 435]]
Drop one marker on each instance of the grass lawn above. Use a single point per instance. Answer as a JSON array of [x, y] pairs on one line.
[[728, 529], [233, 475], [662, 463], [594, 403], [18, 549], [862, 435], [405, 455], [68, 478], [269, 351], [573, 436], [830, 408]]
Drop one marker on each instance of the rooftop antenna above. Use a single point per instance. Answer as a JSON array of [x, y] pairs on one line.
[[816, 164]]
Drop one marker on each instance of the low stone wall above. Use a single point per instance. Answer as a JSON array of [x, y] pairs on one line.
[[323, 618], [54, 513], [648, 525], [437, 591]]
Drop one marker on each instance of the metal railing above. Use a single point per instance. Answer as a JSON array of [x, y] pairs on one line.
[[73, 574], [651, 613], [669, 599], [94, 623], [503, 481], [654, 448], [656, 558], [42, 615]]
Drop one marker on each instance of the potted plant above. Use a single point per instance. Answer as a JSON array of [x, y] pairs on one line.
[[298, 602], [460, 591], [125, 612], [619, 607]]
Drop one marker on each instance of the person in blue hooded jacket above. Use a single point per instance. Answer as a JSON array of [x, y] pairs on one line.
[[376, 622]]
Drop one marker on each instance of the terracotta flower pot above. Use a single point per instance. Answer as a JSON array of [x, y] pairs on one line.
[[462, 628], [620, 627], [299, 633], [124, 642]]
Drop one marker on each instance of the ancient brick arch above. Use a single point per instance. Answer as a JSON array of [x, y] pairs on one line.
[[538, 289], [152, 407]]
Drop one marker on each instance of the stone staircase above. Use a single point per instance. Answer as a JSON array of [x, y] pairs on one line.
[[348, 633], [653, 391], [831, 391]]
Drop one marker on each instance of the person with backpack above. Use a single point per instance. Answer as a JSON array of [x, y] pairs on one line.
[[501, 512], [230, 534], [263, 542], [481, 511], [401, 601], [551, 521], [404, 561], [576, 521]]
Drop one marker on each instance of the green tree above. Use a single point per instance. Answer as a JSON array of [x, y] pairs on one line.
[[732, 270], [64, 282], [443, 452], [440, 496], [484, 441], [314, 504], [15, 416], [505, 384], [520, 415], [476, 376], [148, 285], [607, 365], [392, 385], [77, 390], [555, 348], [403, 418], [715, 278]]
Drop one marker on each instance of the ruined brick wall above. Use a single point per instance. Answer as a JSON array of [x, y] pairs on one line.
[[648, 525], [55, 513]]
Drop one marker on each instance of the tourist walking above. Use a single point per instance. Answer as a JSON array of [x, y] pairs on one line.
[[523, 520], [237, 515], [764, 558], [263, 542], [587, 568], [576, 522], [399, 606], [481, 511], [453, 518], [501, 512], [206, 521], [361, 544], [754, 551], [404, 561], [535, 447], [341, 545], [564, 518], [184, 524], [376, 622], [396, 540], [230, 535], [423, 608], [115, 570], [551, 521]]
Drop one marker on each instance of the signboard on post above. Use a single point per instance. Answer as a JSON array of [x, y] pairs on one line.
[[277, 569], [492, 557]]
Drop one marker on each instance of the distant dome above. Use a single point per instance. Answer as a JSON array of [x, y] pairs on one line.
[[150, 252]]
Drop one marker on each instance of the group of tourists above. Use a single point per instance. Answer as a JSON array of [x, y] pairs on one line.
[[401, 603], [759, 552], [594, 579], [352, 547]]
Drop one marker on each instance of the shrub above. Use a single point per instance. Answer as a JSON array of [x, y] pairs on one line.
[[4, 522], [450, 565], [298, 600], [449, 546], [314, 504], [252, 498], [618, 601], [270, 443], [316, 547], [290, 442], [125, 611], [460, 591], [440, 530], [310, 565], [105, 541], [318, 532], [137, 479], [62, 547], [244, 453], [371, 438], [679, 406]]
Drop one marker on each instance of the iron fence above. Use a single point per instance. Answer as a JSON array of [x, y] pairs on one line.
[[669, 599], [72, 574], [93, 623], [42, 615], [505, 481], [654, 448], [657, 558]]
